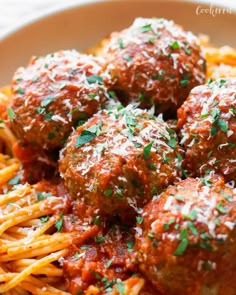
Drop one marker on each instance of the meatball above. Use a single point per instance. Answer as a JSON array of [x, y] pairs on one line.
[[153, 62], [52, 94], [207, 123], [186, 243], [119, 159]]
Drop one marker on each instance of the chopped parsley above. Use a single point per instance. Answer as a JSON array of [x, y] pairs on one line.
[[185, 80], [223, 125], [20, 91], [11, 114], [47, 101], [187, 50], [127, 57], [59, 223], [108, 192], [44, 219], [120, 288], [183, 243], [152, 166], [175, 45], [139, 219], [130, 246], [157, 77], [108, 264], [15, 180], [147, 150], [146, 28], [99, 239], [120, 43], [221, 209], [85, 137], [206, 182], [172, 142], [95, 79], [42, 196]]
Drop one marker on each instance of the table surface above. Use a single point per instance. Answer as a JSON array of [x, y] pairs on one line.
[[14, 12]]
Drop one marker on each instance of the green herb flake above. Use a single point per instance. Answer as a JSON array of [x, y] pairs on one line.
[[157, 77], [76, 255], [151, 40], [185, 80], [179, 157], [62, 85], [44, 219], [35, 79], [207, 265], [51, 135], [215, 114], [130, 246], [111, 94], [151, 236], [146, 28], [85, 137], [97, 220], [18, 80], [172, 142], [187, 50], [109, 263], [222, 209], [165, 158], [20, 91], [120, 288], [59, 223], [175, 45], [223, 125], [15, 180], [11, 114], [108, 192], [192, 215], [183, 243], [226, 196], [139, 219], [127, 57], [147, 150], [222, 82], [179, 198], [48, 116], [130, 121], [40, 111], [152, 166], [46, 101], [184, 83], [206, 182], [95, 79], [99, 239], [120, 43], [193, 229], [84, 247], [137, 145]]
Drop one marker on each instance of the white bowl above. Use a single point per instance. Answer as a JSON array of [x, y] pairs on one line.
[[83, 24]]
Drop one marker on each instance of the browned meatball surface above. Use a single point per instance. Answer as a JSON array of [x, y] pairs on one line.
[[207, 123], [186, 242], [52, 93], [154, 61], [119, 159]]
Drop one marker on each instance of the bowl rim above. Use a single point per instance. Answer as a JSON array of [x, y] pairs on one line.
[[80, 3]]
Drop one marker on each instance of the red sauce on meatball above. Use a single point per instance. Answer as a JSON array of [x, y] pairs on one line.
[[53, 93], [154, 61]]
